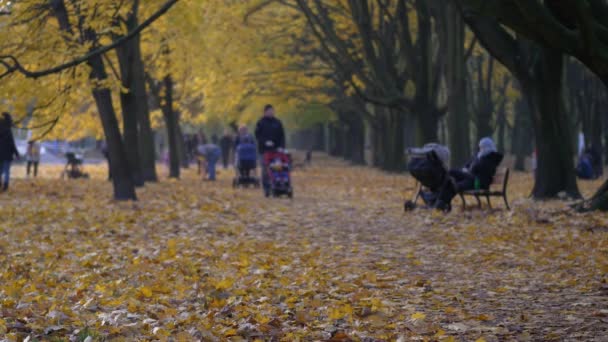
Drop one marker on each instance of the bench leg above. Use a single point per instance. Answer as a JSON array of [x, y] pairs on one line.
[[489, 204], [478, 201], [464, 202], [504, 197]]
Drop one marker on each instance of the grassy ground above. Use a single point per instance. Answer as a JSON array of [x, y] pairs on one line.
[[341, 261]]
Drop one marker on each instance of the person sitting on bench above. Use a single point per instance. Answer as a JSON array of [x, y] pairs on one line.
[[477, 174]]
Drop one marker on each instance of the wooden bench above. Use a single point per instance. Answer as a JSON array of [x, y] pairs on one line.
[[500, 179]]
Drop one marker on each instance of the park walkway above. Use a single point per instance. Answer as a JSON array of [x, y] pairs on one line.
[[341, 261]]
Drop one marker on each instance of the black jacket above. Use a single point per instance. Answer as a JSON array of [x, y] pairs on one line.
[[484, 168], [226, 144], [269, 129], [7, 145]]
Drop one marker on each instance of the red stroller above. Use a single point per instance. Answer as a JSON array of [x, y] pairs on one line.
[[277, 169]]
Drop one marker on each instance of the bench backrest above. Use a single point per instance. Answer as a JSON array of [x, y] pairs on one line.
[[501, 178]]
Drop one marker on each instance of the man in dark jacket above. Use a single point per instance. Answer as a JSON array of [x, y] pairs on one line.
[[269, 131], [8, 150], [270, 136], [478, 174], [226, 143]]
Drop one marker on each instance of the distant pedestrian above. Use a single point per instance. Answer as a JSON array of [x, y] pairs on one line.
[[226, 146], [8, 150], [211, 154], [32, 157]]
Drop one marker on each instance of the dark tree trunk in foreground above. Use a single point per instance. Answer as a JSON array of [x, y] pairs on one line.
[[128, 101], [181, 144], [521, 142], [458, 118], [146, 135], [555, 170], [357, 140], [485, 101], [393, 142], [427, 125], [171, 123], [124, 187], [122, 180]]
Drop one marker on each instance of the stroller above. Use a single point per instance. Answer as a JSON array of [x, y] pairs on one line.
[[73, 168], [246, 159], [278, 168], [428, 165]]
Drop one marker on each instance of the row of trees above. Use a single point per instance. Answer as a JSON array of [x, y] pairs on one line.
[[163, 63], [460, 69], [412, 71]]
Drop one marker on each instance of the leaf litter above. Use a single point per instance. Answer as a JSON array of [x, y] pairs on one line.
[[341, 262]]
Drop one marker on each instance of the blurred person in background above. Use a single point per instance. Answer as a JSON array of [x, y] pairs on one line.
[[8, 150], [32, 156]]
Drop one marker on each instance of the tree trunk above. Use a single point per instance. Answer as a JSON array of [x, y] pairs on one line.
[[171, 123], [122, 181], [555, 171], [458, 119], [378, 131], [393, 141], [484, 98], [357, 140], [501, 122], [427, 124], [520, 136], [181, 144], [146, 135], [128, 101]]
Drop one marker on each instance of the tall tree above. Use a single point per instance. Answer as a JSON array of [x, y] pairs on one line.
[[539, 71]]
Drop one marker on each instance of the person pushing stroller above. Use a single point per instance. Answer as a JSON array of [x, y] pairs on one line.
[[246, 160], [270, 136]]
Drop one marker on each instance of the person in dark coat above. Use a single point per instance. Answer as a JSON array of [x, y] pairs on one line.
[[269, 132], [478, 174], [226, 143], [270, 136], [595, 157], [8, 150]]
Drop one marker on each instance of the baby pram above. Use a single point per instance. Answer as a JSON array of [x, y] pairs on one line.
[[73, 168], [428, 165], [246, 160], [278, 168]]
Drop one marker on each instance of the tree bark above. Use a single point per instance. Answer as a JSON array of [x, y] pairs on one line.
[[181, 144], [171, 124], [521, 145], [458, 119], [146, 135], [427, 124], [357, 140], [128, 101], [122, 180], [555, 171], [393, 149]]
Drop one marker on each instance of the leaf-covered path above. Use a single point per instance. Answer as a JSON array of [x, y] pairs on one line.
[[195, 260]]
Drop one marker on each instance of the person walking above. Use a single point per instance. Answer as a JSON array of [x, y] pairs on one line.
[[226, 146], [270, 136], [32, 157], [8, 150], [211, 153]]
